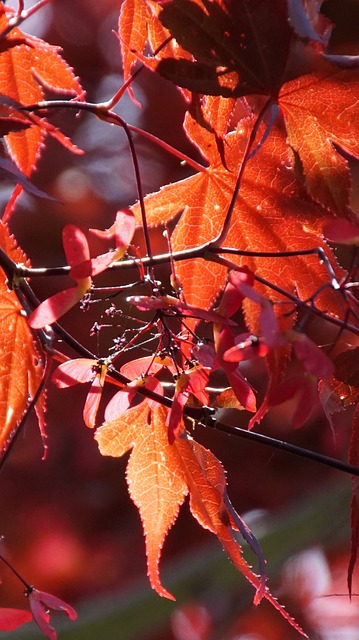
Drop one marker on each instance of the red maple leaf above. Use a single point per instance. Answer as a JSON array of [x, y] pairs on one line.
[[11, 619], [32, 65]]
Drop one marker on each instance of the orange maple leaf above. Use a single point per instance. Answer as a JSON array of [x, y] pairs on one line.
[[26, 68], [272, 213], [321, 110], [159, 477], [20, 367], [139, 23]]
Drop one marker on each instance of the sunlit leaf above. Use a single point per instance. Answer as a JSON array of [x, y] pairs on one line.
[[25, 69], [321, 110], [20, 365], [160, 475], [269, 215]]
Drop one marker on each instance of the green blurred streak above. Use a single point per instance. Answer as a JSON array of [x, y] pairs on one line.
[[321, 519]]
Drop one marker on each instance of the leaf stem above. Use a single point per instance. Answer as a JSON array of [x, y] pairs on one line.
[[282, 445], [203, 415], [16, 573], [167, 147], [101, 112]]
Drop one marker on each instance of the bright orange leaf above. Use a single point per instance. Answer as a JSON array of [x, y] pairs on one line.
[[25, 70], [156, 483], [20, 367], [321, 109], [268, 216], [160, 475]]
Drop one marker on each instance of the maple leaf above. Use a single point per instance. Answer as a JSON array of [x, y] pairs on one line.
[[133, 27], [237, 48], [321, 109], [272, 213], [159, 477], [156, 482], [20, 366], [25, 69], [269, 215], [139, 23]]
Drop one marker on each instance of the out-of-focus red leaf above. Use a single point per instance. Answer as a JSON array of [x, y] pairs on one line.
[[11, 619], [347, 367], [20, 366], [313, 106], [304, 389], [191, 622], [341, 231], [312, 358]]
